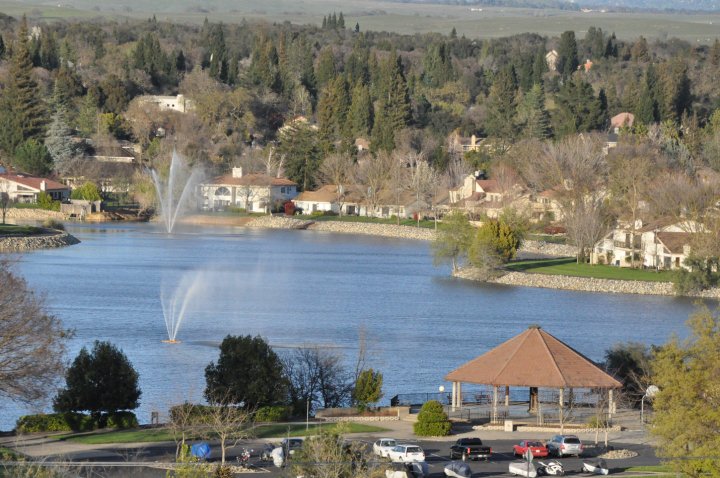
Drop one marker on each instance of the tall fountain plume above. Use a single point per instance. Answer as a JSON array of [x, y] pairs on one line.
[[175, 301], [173, 193]]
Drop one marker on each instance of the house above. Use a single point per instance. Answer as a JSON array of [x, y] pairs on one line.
[[588, 65], [23, 188], [253, 192], [657, 245], [343, 199], [462, 144], [551, 58], [621, 120], [111, 154], [362, 144], [483, 196], [169, 103], [539, 206]]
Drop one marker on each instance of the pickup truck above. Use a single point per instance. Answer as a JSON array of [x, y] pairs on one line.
[[470, 449]]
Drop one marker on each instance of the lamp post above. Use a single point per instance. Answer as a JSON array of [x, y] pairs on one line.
[[441, 390], [650, 392], [307, 414]]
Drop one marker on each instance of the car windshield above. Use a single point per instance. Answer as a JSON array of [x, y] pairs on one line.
[[414, 449], [387, 443], [572, 440], [534, 443]]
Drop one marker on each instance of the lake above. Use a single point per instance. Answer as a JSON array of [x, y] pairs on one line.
[[307, 288]]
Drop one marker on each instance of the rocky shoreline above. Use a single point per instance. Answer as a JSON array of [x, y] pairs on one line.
[[49, 240], [583, 284], [371, 229]]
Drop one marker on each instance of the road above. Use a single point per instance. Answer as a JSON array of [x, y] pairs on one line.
[[141, 462]]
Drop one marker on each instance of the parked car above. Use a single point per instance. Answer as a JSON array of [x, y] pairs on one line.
[[406, 453], [562, 445], [291, 445], [470, 449], [383, 446], [538, 449]]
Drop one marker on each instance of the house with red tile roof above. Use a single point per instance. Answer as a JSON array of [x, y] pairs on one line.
[[24, 188], [254, 192]]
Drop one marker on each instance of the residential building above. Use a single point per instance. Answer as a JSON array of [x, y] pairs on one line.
[[253, 192], [23, 188], [111, 154], [621, 120], [657, 245], [484, 196], [462, 144], [345, 200], [169, 103], [551, 58]]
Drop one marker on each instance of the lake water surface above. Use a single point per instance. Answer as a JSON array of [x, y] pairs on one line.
[[301, 288]]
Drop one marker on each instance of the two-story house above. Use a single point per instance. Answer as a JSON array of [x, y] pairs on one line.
[[253, 192]]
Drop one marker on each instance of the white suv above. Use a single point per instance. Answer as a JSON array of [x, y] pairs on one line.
[[561, 445], [406, 454]]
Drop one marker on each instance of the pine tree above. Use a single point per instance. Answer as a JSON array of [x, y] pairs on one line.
[[714, 55], [332, 111], [533, 118], [360, 114], [501, 105], [325, 68], [48, 51], [341, 21], [357, 27], [539, 67], [383, 134], [567, 54], [437, 65], [393, 92], [646, 111], [675, 97], [579, 110], [22, 114], [2, 48], [453, 34], [333, 23], [87, 119], [324, 23], [59, 142]]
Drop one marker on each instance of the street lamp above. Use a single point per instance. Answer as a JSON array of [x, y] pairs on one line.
[[441, 390], [307, 414], [650, 392]]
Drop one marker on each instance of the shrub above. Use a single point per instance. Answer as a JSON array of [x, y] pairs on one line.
[[44, 201], [54, 224], [122, 420], [329, 213], [432, 420], [317, 213], [88, 192], [272, 413], [597, 422], [54, 422]]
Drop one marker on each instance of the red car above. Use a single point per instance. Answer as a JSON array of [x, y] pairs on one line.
[[538, 449]]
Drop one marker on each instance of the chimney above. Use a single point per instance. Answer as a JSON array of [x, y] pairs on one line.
[[237, 172], [43, 185]]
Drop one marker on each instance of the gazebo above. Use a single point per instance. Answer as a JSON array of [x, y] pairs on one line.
[[532, 359]]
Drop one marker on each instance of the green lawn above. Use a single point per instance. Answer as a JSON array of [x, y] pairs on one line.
[[653, 468], [569, 267], [548, 238], [163, 434], [13, 230]]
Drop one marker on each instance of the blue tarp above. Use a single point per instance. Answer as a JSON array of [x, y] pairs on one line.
[[200, 450]]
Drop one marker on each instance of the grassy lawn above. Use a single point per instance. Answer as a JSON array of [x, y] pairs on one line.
[[653, 468], [13, 230], [376, 220], [568, 267], [163, 434], [548, 238]]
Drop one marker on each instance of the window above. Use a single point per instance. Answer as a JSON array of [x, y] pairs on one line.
[[222, 191]]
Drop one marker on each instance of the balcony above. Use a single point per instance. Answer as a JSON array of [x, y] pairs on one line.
[[626, 244]]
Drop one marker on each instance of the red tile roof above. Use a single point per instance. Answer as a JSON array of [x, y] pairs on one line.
[[533, 358], [34, 182], [252, 180]]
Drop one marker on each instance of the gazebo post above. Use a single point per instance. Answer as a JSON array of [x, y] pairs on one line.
[[561, 410], [611, 403], [459, 395], [495, 404], [453, 400], [507, 397]]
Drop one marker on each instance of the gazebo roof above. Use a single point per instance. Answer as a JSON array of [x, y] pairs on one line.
[[533, 358]]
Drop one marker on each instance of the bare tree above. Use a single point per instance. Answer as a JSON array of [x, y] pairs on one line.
[[630, 166], [423, 178], [372, 177], [337, 170], [317, 378], [32, 342], [586, 221], [185, 424], [5, 201], [229, 424]]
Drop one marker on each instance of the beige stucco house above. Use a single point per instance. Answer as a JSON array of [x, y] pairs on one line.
[[252, 192]]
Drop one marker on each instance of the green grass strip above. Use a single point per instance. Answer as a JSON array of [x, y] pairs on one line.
[[149, 435], [569, 267]]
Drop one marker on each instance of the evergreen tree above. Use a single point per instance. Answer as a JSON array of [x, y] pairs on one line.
[[2, 48], [22, 114], [299, 145], [383, 134], [713, 56], [533, 118], [360, 114], [32, 157], [567, 54], [87, 119], [501, 105], [357, 27], [102, 380], [675, 96], [59, 142], [453, 34], [539, 68], [333, 23], [217, 51], [49, 51], [341, 21], [393, 92], [324, 23], [325, 68], [332, 109], [438, 65], [356, 67], [579, 110], [646, 110]]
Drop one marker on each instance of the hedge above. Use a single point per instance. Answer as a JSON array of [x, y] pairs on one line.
[[76, 422], [276, 413]]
